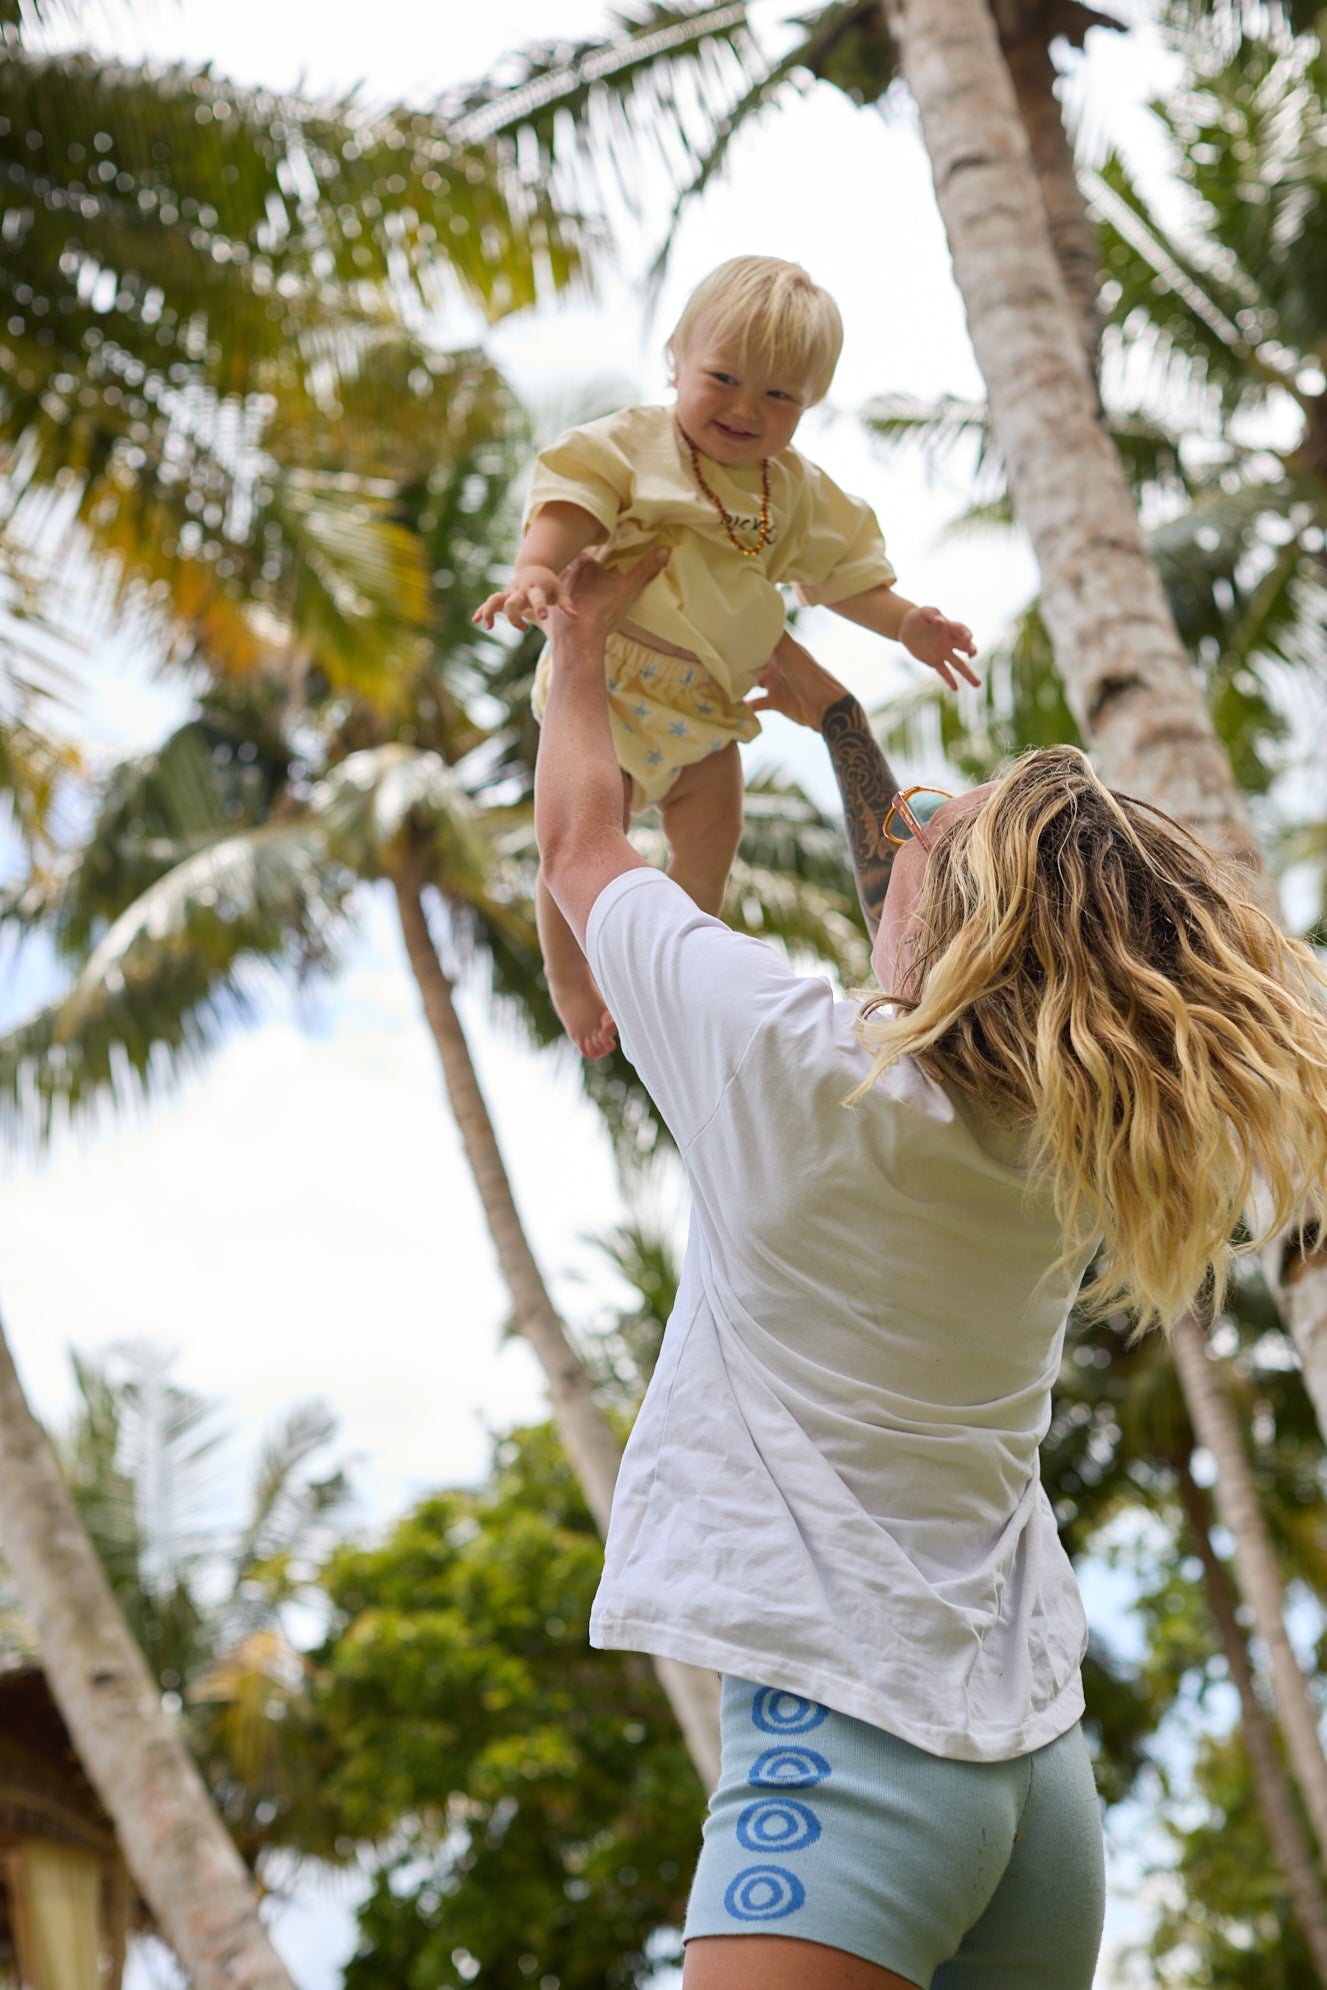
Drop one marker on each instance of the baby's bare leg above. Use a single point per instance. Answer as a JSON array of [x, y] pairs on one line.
[[581, 1008], [702, 819]]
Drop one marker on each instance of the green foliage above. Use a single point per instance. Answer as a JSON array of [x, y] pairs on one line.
[[1231, 1913], [533, 1803], [644, 1257], [1118, 1440], [206, 362]]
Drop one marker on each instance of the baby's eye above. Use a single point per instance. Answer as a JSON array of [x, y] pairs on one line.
[[777, 394], [724, 379]]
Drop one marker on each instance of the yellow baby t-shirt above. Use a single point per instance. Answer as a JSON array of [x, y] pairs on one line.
[[632, 472]]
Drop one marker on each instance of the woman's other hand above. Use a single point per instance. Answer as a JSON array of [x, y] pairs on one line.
[[796, 686]]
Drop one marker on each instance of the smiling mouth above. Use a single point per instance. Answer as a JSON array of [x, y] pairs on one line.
[[736, 434]]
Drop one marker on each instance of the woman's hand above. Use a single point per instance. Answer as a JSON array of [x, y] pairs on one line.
[[796, 686], [599, 597]]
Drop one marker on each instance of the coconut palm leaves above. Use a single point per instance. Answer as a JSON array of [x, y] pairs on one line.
[[170, 913], [215, 362], [144, 1458], [665, 87]]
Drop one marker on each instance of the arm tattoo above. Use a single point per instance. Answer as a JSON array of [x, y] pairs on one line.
[[867, 785]]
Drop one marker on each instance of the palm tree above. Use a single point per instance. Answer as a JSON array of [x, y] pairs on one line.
[[1225, 333], [217, 338], [207, 294], [1237, 1504], [1122, 1444], [628, 90], [206, 1603], [176, 1846]]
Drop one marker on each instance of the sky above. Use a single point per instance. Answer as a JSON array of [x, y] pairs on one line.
[[296, 1218]]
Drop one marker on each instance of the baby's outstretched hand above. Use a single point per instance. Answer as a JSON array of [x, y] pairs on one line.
[[933, 639], [528, 599]]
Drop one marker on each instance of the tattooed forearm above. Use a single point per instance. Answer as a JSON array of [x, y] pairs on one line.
[[867, 785]]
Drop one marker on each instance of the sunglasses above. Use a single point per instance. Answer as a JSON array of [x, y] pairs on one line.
[[913, 824]]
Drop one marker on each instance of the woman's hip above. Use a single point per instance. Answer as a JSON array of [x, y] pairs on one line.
[[956, 1874]]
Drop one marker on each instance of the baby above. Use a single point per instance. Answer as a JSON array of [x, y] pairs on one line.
[[715, 479]]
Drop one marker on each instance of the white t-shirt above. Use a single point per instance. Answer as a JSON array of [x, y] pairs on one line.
[[832, 1486]]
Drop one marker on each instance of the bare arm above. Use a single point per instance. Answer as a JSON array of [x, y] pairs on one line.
[[927, 634], [578, 783], [796, 685], [558, 532]]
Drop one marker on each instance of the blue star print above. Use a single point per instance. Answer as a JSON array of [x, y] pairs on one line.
[[654, 758], [678, 729]]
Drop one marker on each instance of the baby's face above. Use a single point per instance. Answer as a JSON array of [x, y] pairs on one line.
[[734, 406]]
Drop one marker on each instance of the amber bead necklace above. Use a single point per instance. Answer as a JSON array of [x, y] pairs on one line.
[[725, 516]]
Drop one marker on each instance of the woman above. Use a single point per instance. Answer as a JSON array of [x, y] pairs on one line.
[[831, 1494]]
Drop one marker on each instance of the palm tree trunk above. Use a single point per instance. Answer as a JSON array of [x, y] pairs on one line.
[[1125, 671], [174, 1843], [1300, 1285], [590, 1441], [1212, 1415], [1073, 234], [1285, 1833]]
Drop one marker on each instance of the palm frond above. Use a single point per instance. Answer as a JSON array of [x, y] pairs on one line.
[[172, 974], [35, 770], [553, 89], [936, 428], [289, 1519], [377, 799], [205, 295]]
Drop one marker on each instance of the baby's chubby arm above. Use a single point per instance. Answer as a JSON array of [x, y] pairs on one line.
[[931, 637], [558, 532]]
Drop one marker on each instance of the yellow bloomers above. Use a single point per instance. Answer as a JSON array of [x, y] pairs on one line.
[[666, 712]]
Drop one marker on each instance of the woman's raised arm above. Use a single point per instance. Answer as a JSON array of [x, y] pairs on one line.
[[578, 783], [804, 691]]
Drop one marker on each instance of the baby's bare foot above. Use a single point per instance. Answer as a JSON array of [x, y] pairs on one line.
[[583, 1014]]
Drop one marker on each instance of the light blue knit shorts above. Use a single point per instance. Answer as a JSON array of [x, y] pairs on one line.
[[956, 1875]]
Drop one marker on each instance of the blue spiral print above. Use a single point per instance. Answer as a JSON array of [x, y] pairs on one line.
[[764, 1893], [777, 1824], [785, 1713], [788, 1769]]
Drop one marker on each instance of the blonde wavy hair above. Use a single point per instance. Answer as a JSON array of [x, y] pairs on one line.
[[1089, 970], [771, 307]]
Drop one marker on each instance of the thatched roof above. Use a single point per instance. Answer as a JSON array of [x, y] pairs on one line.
[[43, 1791]]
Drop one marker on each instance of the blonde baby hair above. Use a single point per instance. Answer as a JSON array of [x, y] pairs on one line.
[[1089, 968], [770, 307]]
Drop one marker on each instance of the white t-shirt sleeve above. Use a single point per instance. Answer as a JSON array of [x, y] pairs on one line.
[[688, 994]]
